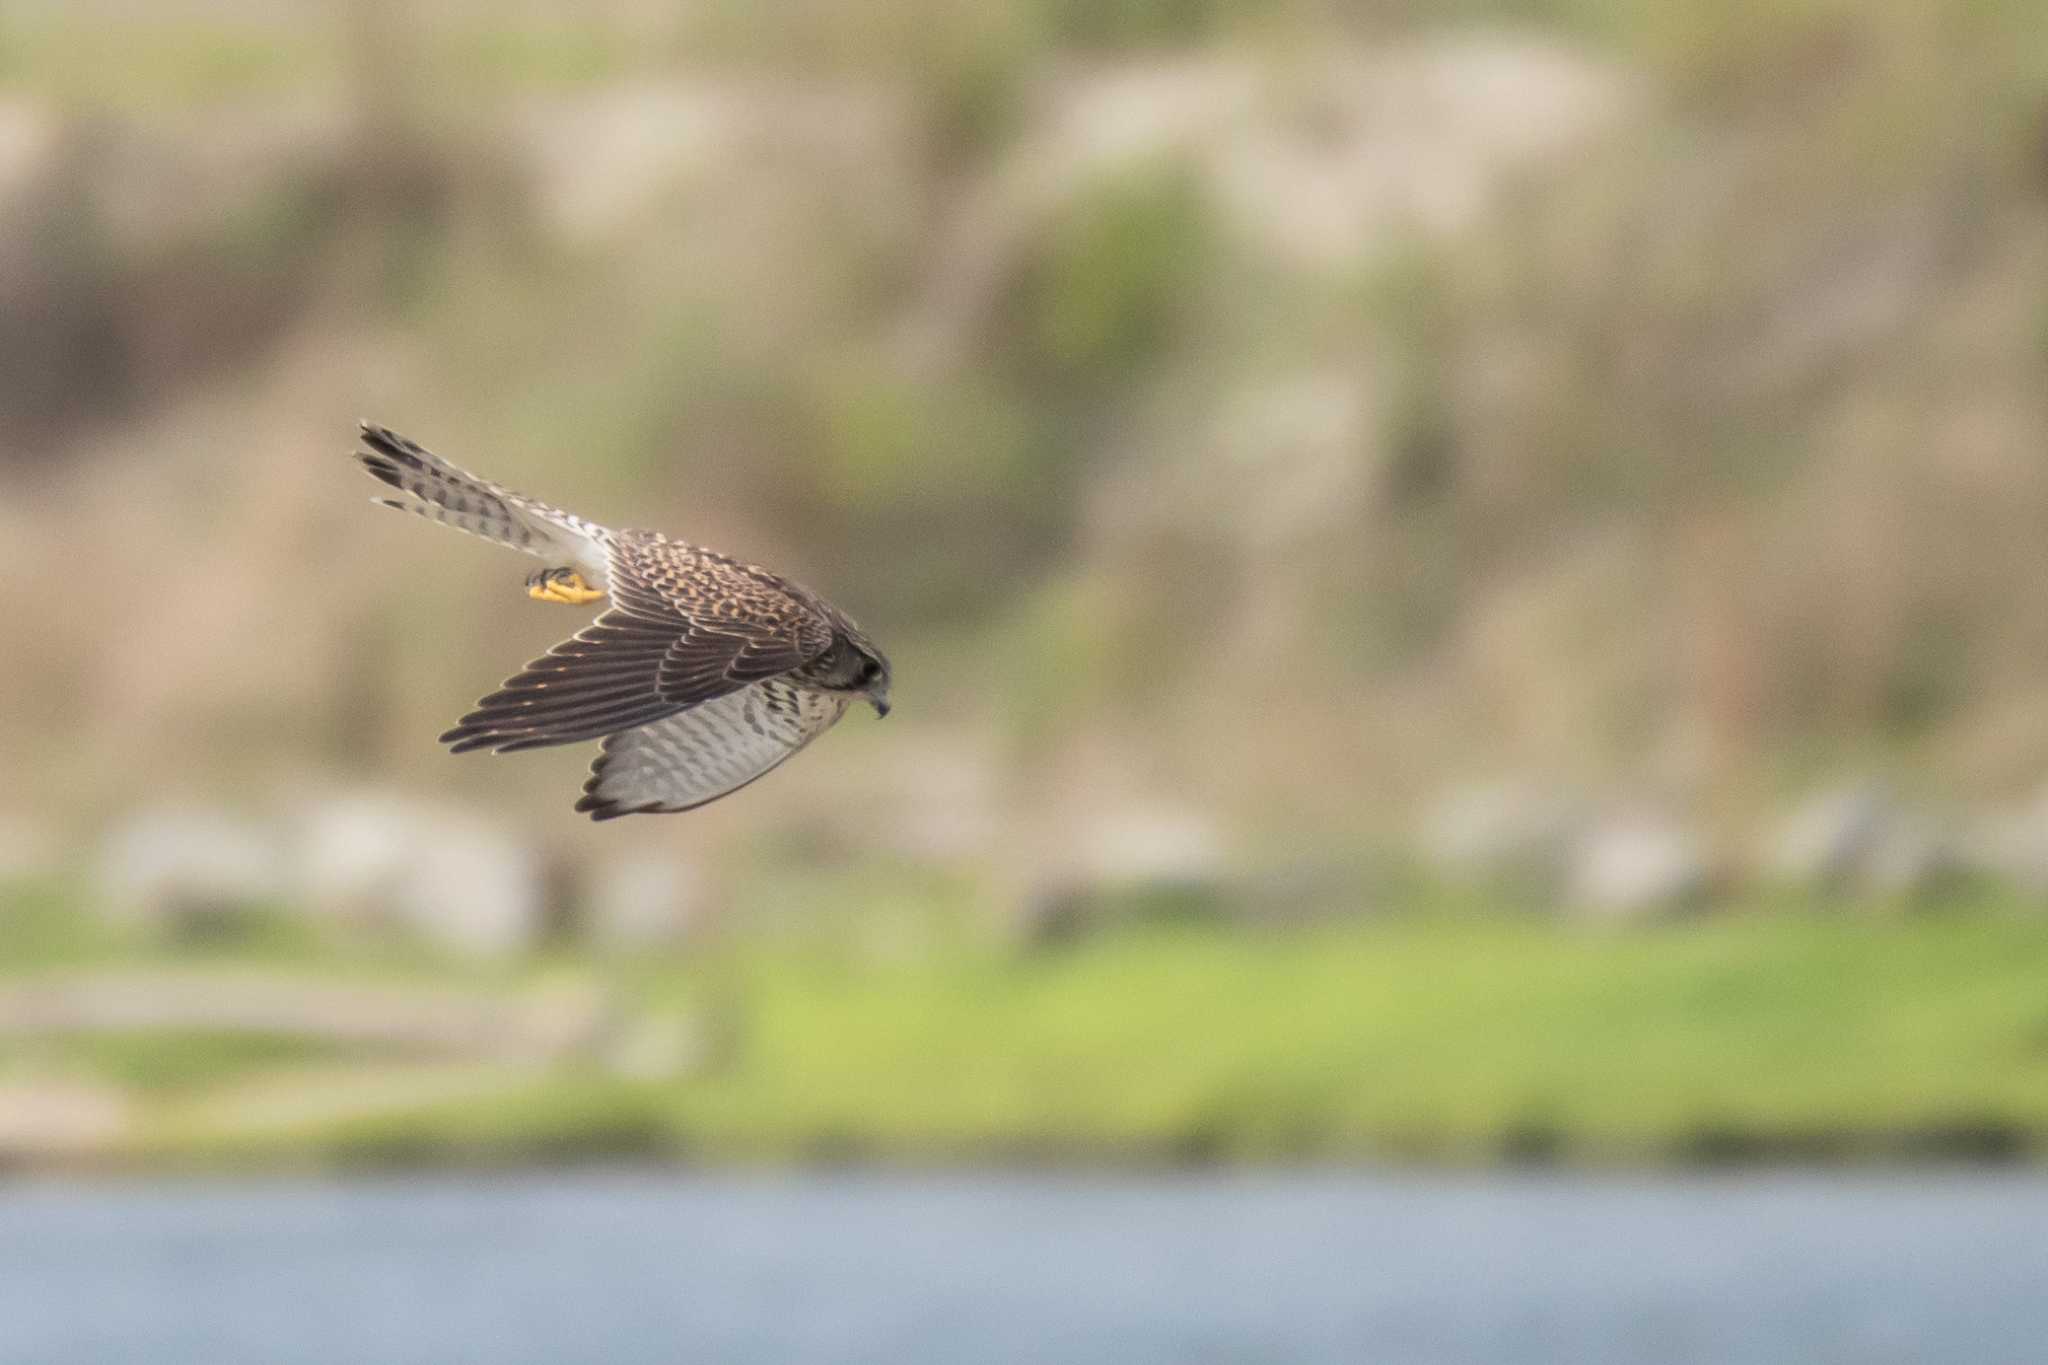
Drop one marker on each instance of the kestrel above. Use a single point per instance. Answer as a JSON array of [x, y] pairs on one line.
[[702, 675]]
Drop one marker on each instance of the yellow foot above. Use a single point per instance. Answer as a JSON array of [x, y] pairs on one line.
[[561, 585]]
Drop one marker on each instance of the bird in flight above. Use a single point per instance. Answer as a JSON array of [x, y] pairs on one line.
[[701, 675]]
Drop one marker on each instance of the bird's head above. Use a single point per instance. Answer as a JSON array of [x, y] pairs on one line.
[[853, 665], [874, 679]]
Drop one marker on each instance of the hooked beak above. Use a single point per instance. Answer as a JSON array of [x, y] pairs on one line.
[[880, 702]]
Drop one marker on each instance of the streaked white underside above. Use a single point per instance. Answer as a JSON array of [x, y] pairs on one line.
[[705, 752]]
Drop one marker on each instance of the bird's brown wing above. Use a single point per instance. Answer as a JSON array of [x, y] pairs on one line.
[[686, 628]]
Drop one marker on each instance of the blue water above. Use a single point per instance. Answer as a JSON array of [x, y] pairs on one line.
[[1482, 1270]]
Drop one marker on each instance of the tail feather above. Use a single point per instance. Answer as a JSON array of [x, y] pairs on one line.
[[439, 491]]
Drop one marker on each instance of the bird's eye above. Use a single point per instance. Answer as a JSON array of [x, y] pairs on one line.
[[869, 670]]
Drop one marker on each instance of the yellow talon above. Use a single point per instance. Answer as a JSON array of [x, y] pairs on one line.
[[561, 585]]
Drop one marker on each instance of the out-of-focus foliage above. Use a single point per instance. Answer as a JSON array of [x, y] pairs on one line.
[[1282, 445], [1434, 1039], [1662, 393]]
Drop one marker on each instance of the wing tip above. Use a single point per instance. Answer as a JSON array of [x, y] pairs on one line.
[[602, 808], [464, 738], [500, 739]]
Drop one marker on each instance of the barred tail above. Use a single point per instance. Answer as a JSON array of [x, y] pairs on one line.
[[439, 491]]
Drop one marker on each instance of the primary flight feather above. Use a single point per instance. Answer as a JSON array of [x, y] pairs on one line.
[[701, 675]]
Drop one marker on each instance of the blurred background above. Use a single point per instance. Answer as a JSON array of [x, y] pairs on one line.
[[1461, 579]]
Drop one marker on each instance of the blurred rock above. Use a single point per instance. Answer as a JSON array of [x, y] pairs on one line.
[[175, 869], [2011, 846], [1136, 859], [1638, 865], [350, 856], [1915, 858], [642, 901], [1861, 840], [1830, 838], [1058, 911], [470, 886], [1152, 843], [382, 860], [1515, 834]]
